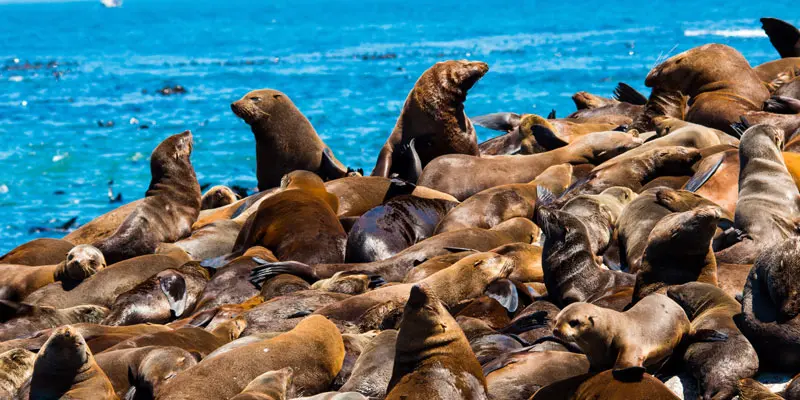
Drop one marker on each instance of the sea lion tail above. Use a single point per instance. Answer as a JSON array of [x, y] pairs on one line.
[[783, 36], [503, 121], [626, 94], [268, 269]]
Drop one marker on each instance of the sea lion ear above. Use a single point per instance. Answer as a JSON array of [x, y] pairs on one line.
[[174, 287], [505, 292], [591, 320]]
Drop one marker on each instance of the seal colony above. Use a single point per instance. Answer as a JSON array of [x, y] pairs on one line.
[[640, 241]]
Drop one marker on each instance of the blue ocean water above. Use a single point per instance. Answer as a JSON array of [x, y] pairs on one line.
[[348, 65]]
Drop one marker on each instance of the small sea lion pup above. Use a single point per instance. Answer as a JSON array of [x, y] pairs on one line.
[[170, 207], [433, 359], [718, 79], [285, 139], [66, 369], [769, 202], [771, 304], [630, 341], [433, 116], [718, 366]]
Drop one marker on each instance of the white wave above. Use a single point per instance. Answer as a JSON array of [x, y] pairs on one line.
[[740, 33]]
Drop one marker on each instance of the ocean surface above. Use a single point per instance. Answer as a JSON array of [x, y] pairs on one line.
[[348, 65]]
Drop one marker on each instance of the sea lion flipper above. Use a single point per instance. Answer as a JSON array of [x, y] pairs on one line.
[[526, 323], [782, 105], [701, 177], [454, 249], [502, 121], [330, 168], [740, 127], [552, 114], [544, 196], [783, 36], [267, 269], [398, 187], [505, 292], [624, 93], [709, 335], [174, 287]]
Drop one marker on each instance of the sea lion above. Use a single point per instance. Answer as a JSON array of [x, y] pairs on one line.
[[599, 213], [495, 205], [239, 210], [717, 179], [354, 344], [518, 138], [285, 139], [103, 287], [769, 317], [430, 266], [227, 374], [718, 366], [462, 175], [271, 385], [16, 368], [661, 103], [642, 337], [605, 386], [229, 284], [768, 198], [522, 373], [284, 284], [210, 241], [137, 373], [163, 297], [103, 226], [298, 224], [783, 36], [373, 368], [359, 194], [171, 204], [27, 319], [283, 313], [571, 270], [192, 339], [679, 251], [343, 282], [434, 114], [82, 261], [751, 389], [43, 251], [65, 368], [718, 79], [393, 227], [433, 359], [217, 196]]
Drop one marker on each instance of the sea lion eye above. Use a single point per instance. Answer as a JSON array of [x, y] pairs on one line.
[[574, 323], [276, 96], [255, 99]]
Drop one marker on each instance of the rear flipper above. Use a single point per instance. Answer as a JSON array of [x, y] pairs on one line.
[[267, 269], [330, 168], [783, 36], [627, 94], [782, 105]]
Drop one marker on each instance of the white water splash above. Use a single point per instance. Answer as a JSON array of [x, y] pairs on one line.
[[740, 33]]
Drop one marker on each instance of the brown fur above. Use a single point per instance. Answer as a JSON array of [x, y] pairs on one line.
[[38, 252]]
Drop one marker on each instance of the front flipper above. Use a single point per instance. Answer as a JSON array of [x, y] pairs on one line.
[[701, 177], [505, 292], [783, 36], [504, 121], [330, 168], [173, 285]]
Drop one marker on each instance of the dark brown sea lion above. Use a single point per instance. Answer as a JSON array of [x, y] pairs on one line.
[[495, 205], [229, 284], [486, 343], [217, 196], [599, 213], [343, 282], [137, 373], [65, 368], [42, 251], [16, 368], [718, 366], [272, 385], [718, 79], [285, 139], [522, 373], [103, 287], [163, 297], [679, 251], [571, 270], [227, 374], [642, 337], [373, 369], [170, 207], [463, 175], [359, 194], [769, 200], [770, 306], [191, 339], [27, 319], [82, 261], [605, 386], [433, 115], [433, 359], [393, 227], [298, 224]]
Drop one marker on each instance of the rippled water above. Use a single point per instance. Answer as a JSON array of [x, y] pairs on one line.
[[348, 66]]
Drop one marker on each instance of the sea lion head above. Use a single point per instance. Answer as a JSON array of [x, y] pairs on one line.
[[177, 147], [60, 358], [424, 317], [261, 106], [542, 131], [688, 232], [342, 282], [586, 100], [559, 226], [780, 264], [272, 384], [217, 196], [82, 262], [231, 328], [87, 313], [621, 194], [492, 266], [157, 367], [761, 141], [577, 322], [452, 77]]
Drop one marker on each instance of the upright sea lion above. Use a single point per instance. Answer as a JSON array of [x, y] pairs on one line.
[[227, 374], [217, 196], [25, 319], [433, 115], [272, 385], [82, 261], [170, 207], [679, 251], [770, 316], [642, 337], [769, 200], [393, 227], [229, 284], [433, 359], [571, 270], [718, 366], [136, 373], [718, 79], [373, 368], [16, 368], [65, 368], [495, 205], [599, 213], [103, 287], [298, 224], [285, 139], [43, 251], [463, 175]]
